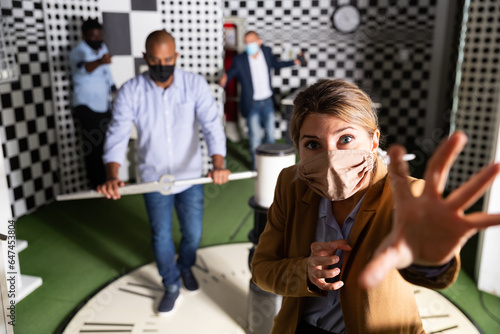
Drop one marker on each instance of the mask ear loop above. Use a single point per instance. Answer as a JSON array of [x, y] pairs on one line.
[[386, 160], [383, 156]]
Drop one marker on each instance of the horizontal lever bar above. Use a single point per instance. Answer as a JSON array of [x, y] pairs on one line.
[[164, 186]]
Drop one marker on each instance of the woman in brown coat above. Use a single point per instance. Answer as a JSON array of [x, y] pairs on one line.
[[345, 236]]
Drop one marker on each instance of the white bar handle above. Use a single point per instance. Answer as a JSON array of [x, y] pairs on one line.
[[164, 186]]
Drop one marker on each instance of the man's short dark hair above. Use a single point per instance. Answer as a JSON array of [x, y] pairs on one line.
[[250, 32], [90, 24]]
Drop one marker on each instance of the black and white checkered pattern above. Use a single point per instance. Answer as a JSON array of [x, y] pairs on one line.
[[218, 92], [281, 126], [389, 55], [27, 121], [39, 160], [8, 66], [63, 20], [477, 99], [197, 27]]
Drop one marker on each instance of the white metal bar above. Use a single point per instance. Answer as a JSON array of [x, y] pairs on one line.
[[164, 185]]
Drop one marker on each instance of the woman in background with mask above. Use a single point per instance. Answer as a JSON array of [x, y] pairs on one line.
[[345, 235]]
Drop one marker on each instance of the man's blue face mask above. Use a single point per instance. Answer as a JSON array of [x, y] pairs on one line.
[[252, 48]]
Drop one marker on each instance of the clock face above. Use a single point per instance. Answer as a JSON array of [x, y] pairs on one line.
[[346, 19], [127, 305]]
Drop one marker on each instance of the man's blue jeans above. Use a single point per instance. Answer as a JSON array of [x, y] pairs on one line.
[[189, 207], [261, 116]]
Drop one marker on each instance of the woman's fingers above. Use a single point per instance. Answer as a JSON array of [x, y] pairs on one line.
[[441, 161], [323, 261], [385, 259], [328, 286], [320, 273], [407, 242], [329, 247], [482, 220], [467, 194], [318, 276], [333, 286], [322, 257], [398, 173]]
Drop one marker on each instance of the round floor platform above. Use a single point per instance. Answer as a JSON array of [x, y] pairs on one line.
[[220, 307]]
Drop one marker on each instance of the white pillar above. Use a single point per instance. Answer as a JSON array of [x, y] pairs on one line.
[[488, 261]]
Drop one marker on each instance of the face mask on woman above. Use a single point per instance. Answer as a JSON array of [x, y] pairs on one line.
[[338, 174]]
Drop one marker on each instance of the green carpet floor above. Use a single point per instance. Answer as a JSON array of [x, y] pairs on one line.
[[77, 247]]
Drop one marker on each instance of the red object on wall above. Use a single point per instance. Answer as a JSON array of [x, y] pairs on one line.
[[230, 51]]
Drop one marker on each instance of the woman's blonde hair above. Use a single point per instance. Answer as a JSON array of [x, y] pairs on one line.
[[337, 98]]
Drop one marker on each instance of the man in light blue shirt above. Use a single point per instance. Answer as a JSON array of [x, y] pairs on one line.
[[167, 106], [92, 85]]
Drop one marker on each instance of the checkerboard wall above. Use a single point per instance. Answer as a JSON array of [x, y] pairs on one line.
[[63, 20], [36, 124], [478, 95], [380, 39], [389, 55], [27, 121], [197, 28], [196, 25], [8, 66]]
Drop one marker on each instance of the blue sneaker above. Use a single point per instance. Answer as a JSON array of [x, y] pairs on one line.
[[167, 302], [189, 281]]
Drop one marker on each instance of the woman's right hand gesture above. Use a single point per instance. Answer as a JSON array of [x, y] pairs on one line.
[[430, 230], [319, 262]]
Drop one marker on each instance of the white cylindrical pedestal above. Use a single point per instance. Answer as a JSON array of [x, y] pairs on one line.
[[263, 307], [270, 159]]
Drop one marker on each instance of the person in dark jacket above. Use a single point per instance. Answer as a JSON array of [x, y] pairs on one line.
[[252, 68]]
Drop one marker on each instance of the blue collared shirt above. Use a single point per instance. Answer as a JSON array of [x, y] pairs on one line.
[[90, 89], [326, 313], [167, 123]]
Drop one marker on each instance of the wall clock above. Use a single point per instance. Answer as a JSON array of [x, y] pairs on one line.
[[346, 19]]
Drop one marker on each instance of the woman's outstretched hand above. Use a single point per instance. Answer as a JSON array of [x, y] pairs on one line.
[[430, 230]]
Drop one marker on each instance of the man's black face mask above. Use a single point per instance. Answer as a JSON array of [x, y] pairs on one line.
[[94, 44], [161, 73]]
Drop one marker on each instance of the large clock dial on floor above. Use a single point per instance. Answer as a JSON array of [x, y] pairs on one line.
[[128, 304]]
